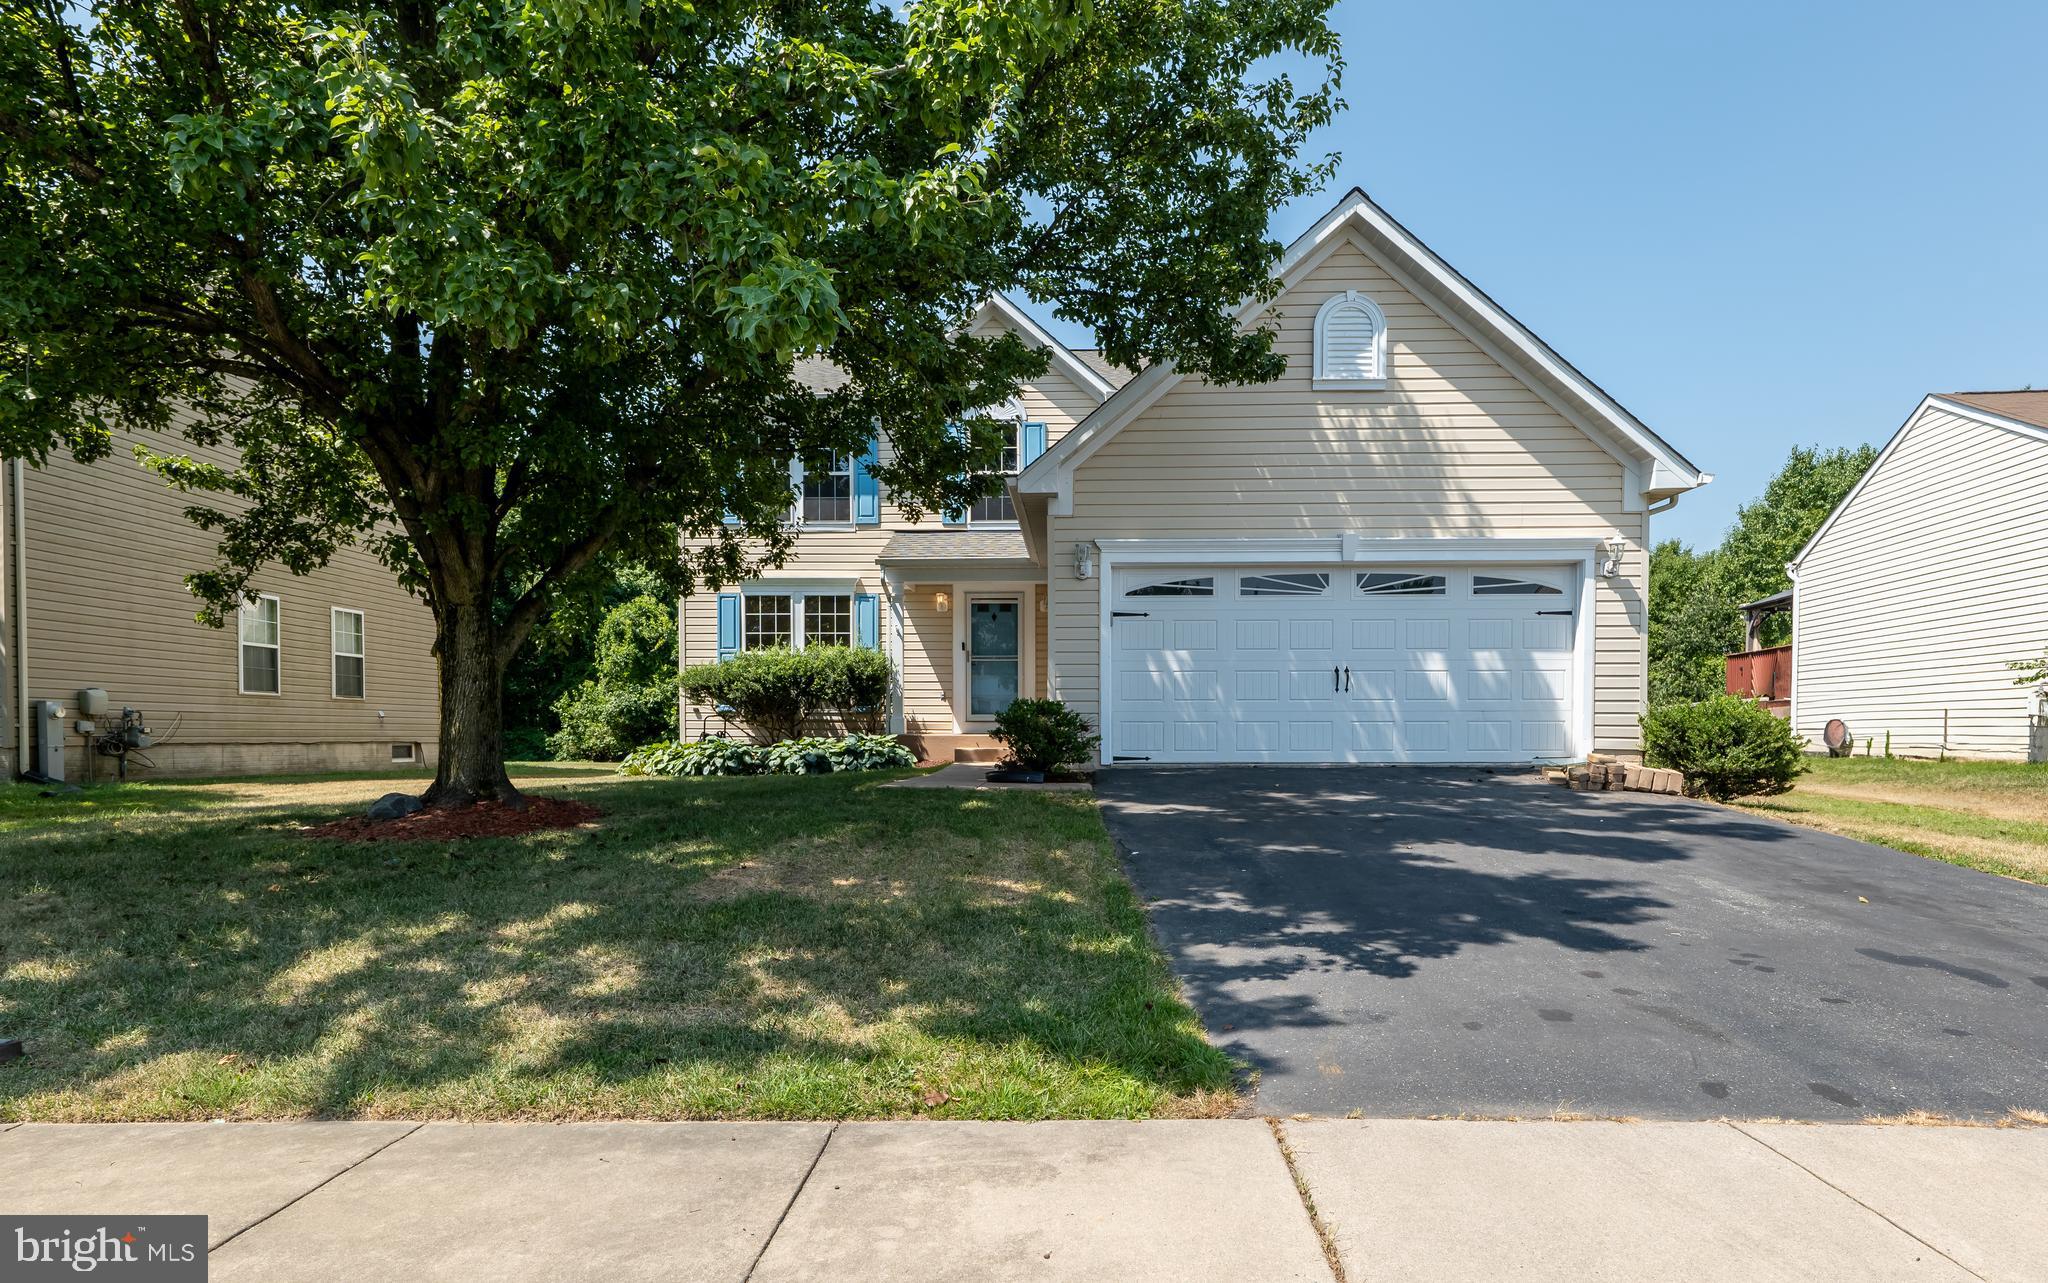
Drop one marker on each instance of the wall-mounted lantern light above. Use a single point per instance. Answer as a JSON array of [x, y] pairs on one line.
[[1084, 561], [943, 600], [1616, 546]]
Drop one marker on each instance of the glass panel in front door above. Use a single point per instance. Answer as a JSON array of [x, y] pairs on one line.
[[991, 657]]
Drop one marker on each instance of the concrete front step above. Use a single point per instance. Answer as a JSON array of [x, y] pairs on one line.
[[933, 749]]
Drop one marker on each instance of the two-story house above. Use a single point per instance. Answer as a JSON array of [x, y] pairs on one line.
[[1425, 542]]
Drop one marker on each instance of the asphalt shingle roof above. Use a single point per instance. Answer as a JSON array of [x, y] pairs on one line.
[[2027, 407], [956, 545]]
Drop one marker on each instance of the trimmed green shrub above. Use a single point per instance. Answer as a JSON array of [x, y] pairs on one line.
[[854, 684], [1727, 746], [1044, 734], [777, 693], [704, 757]]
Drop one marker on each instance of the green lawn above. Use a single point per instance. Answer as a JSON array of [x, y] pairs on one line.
[[1985, 815], [745, 948]]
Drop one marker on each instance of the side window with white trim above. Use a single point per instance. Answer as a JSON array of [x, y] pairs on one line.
[[348, 653], [262, 669]]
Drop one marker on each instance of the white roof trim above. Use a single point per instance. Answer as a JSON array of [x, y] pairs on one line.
[[1669, 472], [1063, 356], [1932, 401]]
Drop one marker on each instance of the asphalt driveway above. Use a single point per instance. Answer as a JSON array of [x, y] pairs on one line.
[[1427, 942]]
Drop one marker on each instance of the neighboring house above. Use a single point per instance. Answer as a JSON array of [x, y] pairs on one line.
[[1926, 580], [330, 671], [1425, 542]]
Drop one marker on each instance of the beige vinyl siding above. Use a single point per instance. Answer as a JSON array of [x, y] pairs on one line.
[[108, 549], [851, 555], [1455, 445], [1927, 582]]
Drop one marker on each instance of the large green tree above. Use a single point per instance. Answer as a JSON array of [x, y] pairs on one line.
[[1770, 530], [503, 288], [1693, 618]]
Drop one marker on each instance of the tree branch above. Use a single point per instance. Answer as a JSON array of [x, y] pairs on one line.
[[532, 603]]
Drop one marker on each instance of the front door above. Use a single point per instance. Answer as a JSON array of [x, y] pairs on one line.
[[992, 656]]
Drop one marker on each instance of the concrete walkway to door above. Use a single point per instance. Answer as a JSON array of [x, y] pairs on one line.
[[1180, 1201], [1422, 942]]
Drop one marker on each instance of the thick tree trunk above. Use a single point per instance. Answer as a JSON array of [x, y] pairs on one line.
[[472, 766]]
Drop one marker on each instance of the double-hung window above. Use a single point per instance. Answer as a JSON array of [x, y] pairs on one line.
[[828, 619], [767, 620], [825, 491], [261, 645], [348, 653], [796, 619], [997, 509]]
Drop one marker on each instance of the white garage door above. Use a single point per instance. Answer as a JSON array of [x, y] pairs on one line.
[[1344, 664]]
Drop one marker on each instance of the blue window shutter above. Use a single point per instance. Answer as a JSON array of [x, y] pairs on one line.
[[867, 491], [1030, 444], [728, 625], [867, 621], [955, 516]]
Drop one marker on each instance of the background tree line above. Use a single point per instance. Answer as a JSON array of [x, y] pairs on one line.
[[1694, 622]]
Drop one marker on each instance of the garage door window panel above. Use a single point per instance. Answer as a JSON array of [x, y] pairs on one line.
[[1382, 583], [1502, 586], [1201, 586], [1291, 584]]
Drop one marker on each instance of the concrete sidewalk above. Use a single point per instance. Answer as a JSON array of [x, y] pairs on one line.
[[1230, 1200]]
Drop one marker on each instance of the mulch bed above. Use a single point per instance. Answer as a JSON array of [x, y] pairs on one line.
[[484, 820]]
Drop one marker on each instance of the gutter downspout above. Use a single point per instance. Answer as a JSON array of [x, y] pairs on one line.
[[17, 499]]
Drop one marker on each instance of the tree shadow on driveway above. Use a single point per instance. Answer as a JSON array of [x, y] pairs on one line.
[[1263, 877]]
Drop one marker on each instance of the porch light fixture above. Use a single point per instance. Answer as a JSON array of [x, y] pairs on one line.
[[943, 600], [1616, 546], [1084, 561]]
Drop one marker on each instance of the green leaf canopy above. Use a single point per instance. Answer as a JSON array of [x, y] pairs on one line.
[[506, 289]]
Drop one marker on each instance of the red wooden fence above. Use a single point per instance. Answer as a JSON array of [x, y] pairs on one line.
[[1763, 674]]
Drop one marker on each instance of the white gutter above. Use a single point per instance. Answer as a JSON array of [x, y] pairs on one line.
[[17, 498]]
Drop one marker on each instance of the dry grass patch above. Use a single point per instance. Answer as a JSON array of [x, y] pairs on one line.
[[758, 948], [1991, 816]]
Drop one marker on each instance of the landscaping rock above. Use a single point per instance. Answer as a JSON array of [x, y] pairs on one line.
[[395, 806]]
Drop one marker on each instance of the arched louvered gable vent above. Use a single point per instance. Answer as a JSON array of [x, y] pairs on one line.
[[1351, 343]]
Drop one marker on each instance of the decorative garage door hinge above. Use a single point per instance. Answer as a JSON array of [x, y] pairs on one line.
[[1128, 757], [1130, 614]]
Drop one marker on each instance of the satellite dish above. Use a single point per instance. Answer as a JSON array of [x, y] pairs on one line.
[[1836, 736]]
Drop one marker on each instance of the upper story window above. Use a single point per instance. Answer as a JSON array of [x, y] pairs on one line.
[[1351, 343], [825, 490], [997, 509]]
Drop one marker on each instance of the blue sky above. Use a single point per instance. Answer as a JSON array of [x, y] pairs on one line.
[[1756, 225]]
